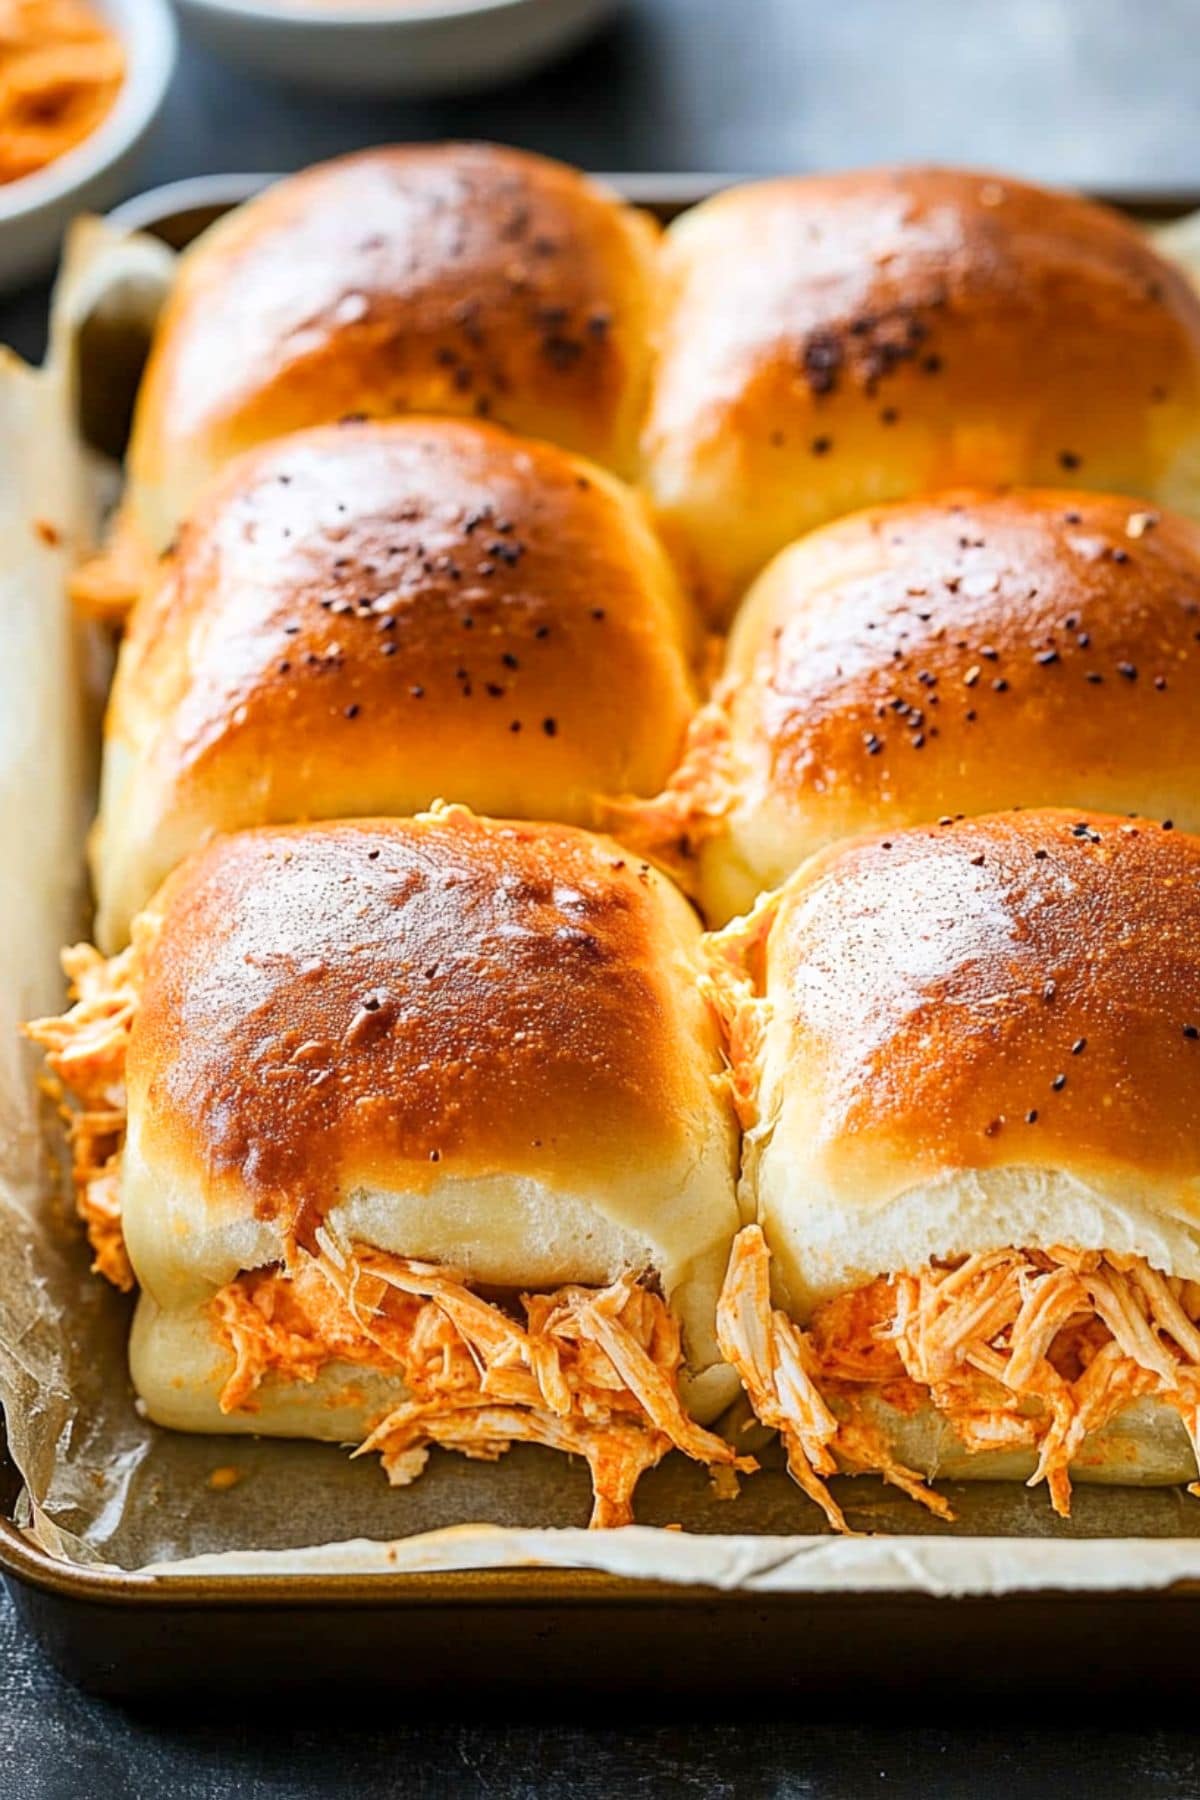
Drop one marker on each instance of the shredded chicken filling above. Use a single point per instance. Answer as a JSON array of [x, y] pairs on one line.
[[594, 1372], [1016, 1349], [85, 1050]]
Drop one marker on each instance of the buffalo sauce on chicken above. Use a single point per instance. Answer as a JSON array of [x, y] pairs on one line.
[[670, 827], [85, 1050], [1016, 1349], [594, 1372]]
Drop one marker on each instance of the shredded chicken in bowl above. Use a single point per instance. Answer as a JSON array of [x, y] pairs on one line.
[[1015, 1349]]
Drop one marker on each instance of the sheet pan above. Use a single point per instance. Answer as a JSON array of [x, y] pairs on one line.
[[144, 1578]]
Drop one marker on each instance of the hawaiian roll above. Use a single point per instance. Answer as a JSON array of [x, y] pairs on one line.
[[364, 618], [830, 342], [960, 654], [448, 278]]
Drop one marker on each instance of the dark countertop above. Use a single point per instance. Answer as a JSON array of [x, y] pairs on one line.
[[1095, 92], [57, 1744]]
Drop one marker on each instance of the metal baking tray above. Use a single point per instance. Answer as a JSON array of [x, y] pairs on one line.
[[522, 1632]]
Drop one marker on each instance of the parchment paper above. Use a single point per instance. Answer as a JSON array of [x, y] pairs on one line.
[[103, 1487]]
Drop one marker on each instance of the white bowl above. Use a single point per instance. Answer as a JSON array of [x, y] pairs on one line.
[[401, 47], [35, 211]]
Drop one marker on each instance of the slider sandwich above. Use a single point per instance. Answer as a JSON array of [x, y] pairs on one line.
[[968, 1062], [413, 1133]]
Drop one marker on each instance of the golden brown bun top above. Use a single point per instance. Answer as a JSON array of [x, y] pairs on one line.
[[426, 566], [973, 651], [460, 278], [832, 340], [1021, 989], [936, 283], [362, 619], [400, 1002]]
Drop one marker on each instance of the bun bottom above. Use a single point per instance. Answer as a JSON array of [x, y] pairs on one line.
[[1144, 1446], [179, 1369]]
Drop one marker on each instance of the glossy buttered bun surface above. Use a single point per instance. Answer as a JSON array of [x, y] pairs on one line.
[[974, 1036], [365, 618], [962, 654], [831, 342], [451, 278], [474, 1043]]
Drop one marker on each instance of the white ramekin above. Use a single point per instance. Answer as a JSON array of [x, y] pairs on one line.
[[402, 47]]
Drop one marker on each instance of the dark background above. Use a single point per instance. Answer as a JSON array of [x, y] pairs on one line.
[[1101, 93]]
